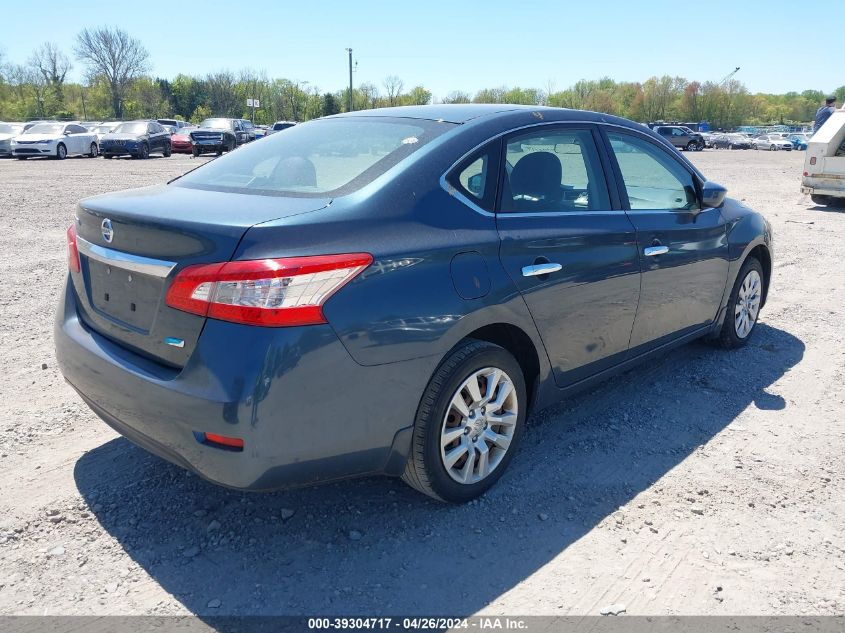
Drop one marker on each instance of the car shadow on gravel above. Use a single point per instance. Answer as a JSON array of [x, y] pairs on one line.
[[374, 546]]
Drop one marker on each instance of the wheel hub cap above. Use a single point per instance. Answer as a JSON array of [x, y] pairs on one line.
[[479, 425], [748, 304]]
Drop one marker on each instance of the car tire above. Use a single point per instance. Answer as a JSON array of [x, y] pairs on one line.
[[746, 299], [21, 157], [444, 440], [93, 150], [107, 156], [195, 151], [822, 201], [773, 148], [168, 150], [144, 152], [691, 146], [61, 151]]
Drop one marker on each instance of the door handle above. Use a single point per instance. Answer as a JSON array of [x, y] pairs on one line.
[[540, 269], [651, 251]]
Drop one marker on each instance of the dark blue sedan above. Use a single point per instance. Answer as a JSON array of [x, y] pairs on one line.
[[394, 291]]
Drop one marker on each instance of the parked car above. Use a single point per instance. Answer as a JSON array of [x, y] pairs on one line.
[[260, 131], [708, 138], [175, 124], [180, 142], [731, 141], [248, 129], [824, 163], [278, 126], [680, 137], [211, 320], [8, 132], [104, 128], [57, 140], [137, 139], [799, 140], [771, 142], [217, 135]]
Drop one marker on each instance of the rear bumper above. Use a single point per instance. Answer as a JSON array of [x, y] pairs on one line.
[[307, 412], [823, 191]]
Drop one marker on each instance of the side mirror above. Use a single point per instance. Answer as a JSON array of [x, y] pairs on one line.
[[713, 194], [67, 132]]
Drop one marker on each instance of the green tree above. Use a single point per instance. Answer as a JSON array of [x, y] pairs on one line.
[[329, 105]]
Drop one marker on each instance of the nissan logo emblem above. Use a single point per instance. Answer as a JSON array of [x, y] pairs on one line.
[[107, 230]]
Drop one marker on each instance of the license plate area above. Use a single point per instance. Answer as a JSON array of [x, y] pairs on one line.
[[126, 296]]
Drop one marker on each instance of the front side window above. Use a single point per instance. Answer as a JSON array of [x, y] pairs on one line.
[[653, 178], [553, 170], [319, 158]]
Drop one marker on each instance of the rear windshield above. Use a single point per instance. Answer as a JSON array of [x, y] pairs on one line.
[[329, 156]]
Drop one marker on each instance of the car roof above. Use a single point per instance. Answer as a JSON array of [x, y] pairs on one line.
[[465, 112]]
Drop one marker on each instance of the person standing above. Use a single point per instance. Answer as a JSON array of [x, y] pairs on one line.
[[823, 113]]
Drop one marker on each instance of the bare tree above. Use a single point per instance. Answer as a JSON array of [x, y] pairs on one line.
[[393, 85], [457, 96], [53, 65], [114, 54]]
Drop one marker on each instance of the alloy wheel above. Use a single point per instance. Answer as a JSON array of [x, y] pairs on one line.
[[478, 426], [747, 304]]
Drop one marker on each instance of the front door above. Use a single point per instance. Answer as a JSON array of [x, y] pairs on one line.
[[568, 247], [683, 248]]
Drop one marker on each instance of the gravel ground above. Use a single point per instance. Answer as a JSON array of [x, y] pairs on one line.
[[706, 483]]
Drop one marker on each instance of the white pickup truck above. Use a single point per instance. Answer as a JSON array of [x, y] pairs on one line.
[[824, 165]]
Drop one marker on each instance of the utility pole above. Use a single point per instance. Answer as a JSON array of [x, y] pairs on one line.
[[351, 107]]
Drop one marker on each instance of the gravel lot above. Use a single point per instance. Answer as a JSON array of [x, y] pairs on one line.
[[707, 483]]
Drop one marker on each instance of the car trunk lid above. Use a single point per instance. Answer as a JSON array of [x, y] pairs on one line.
[[132, 243]]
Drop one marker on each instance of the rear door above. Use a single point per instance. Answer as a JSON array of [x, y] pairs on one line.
[[77, 141], [568, 247], [683, 248]]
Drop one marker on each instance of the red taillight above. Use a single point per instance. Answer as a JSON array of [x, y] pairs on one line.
[[72, 250], [270, 292], [222, 440]]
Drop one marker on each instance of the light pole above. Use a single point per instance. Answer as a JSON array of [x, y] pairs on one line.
[[349, 50]]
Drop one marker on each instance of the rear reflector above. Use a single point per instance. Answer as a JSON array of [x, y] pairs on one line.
[[72, 250], [269, 292], [222, 441]]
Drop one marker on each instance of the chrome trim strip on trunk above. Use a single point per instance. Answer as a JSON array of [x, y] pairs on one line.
[[125, 261]]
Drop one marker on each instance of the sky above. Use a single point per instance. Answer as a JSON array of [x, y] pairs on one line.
[[456, 45]]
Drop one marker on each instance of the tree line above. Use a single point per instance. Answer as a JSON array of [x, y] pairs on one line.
[[117, 84]]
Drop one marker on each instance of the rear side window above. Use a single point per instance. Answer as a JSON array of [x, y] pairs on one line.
[[319, 158], [653, 179], [553, 170]]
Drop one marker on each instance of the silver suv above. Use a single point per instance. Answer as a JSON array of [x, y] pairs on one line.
[[681, 137]]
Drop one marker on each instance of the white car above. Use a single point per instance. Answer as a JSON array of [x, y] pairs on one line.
[[107, 127], [771, 142], [8, 131], [57, 140]]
